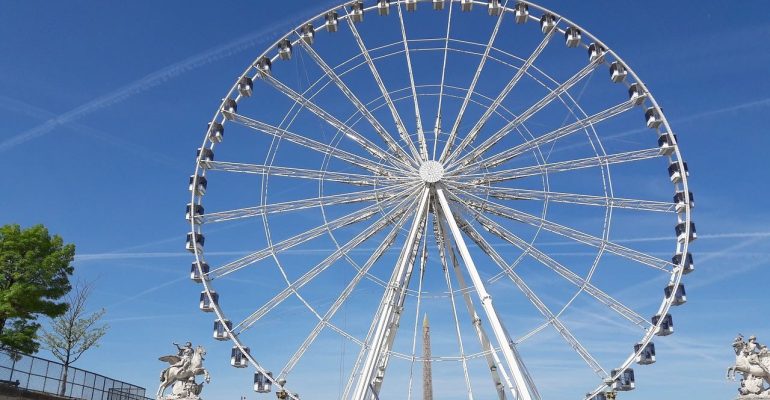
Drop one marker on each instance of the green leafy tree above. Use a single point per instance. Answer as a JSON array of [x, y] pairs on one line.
[[73, 333], [34, 275]]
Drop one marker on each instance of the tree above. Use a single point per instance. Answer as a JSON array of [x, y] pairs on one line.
[[35, 274], [74, 332]]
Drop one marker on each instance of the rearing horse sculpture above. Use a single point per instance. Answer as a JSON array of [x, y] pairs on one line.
[[744, 366], [173, 374]]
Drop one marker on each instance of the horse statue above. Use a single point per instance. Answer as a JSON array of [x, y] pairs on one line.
[[755, 367], [182, 377]]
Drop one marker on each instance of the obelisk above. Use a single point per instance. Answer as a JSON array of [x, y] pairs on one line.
[[427, 378]]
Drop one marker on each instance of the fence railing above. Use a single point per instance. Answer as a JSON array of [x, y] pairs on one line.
[[41, 375]]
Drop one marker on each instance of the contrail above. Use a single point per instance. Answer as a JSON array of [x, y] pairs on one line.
[[755, 236], [146, 153], [156, 78], [704, 114]]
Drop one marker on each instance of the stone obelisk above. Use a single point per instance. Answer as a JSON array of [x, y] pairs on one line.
[[427, 378]]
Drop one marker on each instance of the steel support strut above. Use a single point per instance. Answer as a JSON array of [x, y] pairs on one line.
[[389, 312], [521, 388]]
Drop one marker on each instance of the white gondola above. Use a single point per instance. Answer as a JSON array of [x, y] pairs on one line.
[[625, 381], [194, 242], [666, 143], [193, 212], [675, 173], [238, 358], [647, 355], [261, 382], [221, 329], [572, 36], [332, 21], [198, 184], [521, 13], [383, 7], [681, 232], [246, 86], [636, 94], [284, 49], [264, 65], [618, 72], [687, 266], [207, 304], [357, 11], [680, 203], [204, 155], [195, 272], [547, 21], [216, 132], [599, 396], [596, 52], [652, 117], [307, 32], [229, 107], [466, 5], [494, 8], [411, 5], [438, 5], [666, 326], [680, 295]]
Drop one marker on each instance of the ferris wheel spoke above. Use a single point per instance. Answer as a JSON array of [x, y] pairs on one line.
[[385, 94], [472, 88], [365, 143], [381, 131], [375, 195], [389, 311], [561, 166], [578, 236], [573, 278], [533, 298], [549, 137], [389, 218], [394, 216], [315, 145], [272, 170], [504, 193], [504, 93], [362, 272], [552, 95], [352, 218], [418, 117], [437, 124]]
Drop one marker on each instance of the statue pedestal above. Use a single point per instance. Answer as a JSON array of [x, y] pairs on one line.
[[172, 397], [753, 397]]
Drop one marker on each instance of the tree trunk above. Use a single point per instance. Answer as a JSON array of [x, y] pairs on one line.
[[63, 386]]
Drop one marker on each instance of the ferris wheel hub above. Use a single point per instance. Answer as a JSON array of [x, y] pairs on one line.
[[431, 171]]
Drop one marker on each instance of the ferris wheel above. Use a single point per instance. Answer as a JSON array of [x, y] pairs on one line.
[[489, 166]]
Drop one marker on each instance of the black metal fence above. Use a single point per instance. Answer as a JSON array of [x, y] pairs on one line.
[[38, 374]]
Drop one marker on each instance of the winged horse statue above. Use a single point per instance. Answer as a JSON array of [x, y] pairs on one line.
[[182, 372]]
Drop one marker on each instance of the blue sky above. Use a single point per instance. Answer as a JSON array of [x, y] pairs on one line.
[[104, 105]]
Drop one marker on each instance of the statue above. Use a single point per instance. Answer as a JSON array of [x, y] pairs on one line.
[[185, 366], [752, 360]]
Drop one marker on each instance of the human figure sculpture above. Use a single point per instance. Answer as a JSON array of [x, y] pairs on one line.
[[185, 353]]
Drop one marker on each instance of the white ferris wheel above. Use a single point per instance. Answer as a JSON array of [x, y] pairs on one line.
[[488, 164]]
